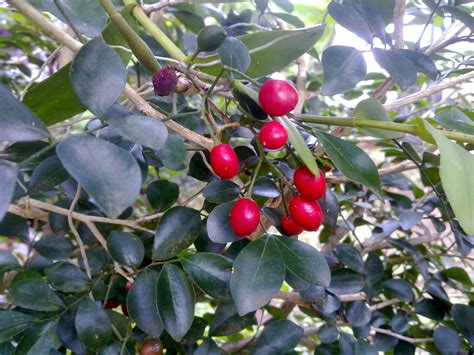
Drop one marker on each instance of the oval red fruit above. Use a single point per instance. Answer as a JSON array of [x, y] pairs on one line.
[[111, 303], [151, 346], [289, 227], [277, 97], [309, 186], [244, 217], [224, 161], [306, 214], [273, 135]]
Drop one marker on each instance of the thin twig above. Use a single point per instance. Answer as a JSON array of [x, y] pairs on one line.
[[402, 337]]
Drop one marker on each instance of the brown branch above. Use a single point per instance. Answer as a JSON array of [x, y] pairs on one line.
[[402, 337]]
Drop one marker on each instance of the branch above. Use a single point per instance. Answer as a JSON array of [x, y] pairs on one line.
[[161, 5], [402, 337], [398, 15]]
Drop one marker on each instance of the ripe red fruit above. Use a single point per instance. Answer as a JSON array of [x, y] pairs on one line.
[[224, 161], [151, 346], [289, 227], [125, 310], [128, 286], [165, 81], [277, 97], [111, 303], [273, 135], [306, 214], [309, 186], [244, 217]]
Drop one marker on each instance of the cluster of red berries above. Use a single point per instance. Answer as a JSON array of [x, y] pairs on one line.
[[112, 303]]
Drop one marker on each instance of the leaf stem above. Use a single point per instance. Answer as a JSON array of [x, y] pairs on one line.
[[254, 177]]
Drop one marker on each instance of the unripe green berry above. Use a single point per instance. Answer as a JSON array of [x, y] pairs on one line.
[[210, 38]]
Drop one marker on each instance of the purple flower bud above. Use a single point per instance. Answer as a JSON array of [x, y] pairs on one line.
[[165, 81]]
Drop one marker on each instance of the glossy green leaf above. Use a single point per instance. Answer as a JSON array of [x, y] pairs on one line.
[[455, 119], [233, 53], [463, 317], [126, 248], [348, 17], [36, 295], [346, 344], [258, 274], [400, 289], [8, 174], [8, 261], [219, 191], [108, 173], [458, 274], [456, 169], [162, 194], [430, 309], [401, 69], [364, 348], [178, 228], [208, 347], [92, 324], [48, 174], [67, 277], [304, 261], [346, 281], [142, 303], [173, 153], [98, 76], [218, 224], [299, 144], [423, 63], [358, 313], [343, 68], [39, 338], [13, 323], [446, 340], [211, 273], [328, 333], [350, 257], [192, 21], [265, 187], [175, 301], [278, 337], [352, 161], [372, 109], [226, 320], [384, 342], [17, 122], [54, 247]]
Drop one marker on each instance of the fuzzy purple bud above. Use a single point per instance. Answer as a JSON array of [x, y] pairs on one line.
[[164, 82]]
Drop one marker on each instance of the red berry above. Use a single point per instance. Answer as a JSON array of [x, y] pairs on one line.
[[151, 346], [277, 97], [128, 286], [289, 227], [111, 303], [244, 217], [309, 186], [164, 82], [306, 214], [125, 310], [273, 135], [224, 161]]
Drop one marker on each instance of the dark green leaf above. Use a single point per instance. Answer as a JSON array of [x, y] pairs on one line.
[[384, 342], [258, 274], [8, 174], [8, 261], [374, 268], [226, 320], [219, 191], [358, 313], [372, 109], [345, 281], [108, 173], [401, 69], [48, 174], [400, 289], [352, 161], [142, 303], [162, 194], [93, 324], [211, 272], [218, 224], [343, 68], [463, 317], [208, 347], [278, 337], [98, 76], [7, 348], [461, 15], [304, 261], [446, 340], [67, 277], [328, 334], [430, 309], [346, 344], [455, 119], [400, 323], [234, 54], [38, 339], [350, 257], [265, 187], [364, 348], [348, 17], [192, 21], [13, 323], [54, 247], [36, 295], [173, 154], [17, 122], [126, 248], [458, 274], [423, 63], [178, 229], [14, 226], [175, 301], [330, 205]]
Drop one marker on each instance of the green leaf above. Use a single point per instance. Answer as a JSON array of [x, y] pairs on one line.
[[278, 337], [36, 295], [8, 174], [162, 194], [372, 109], [400, 289], [17, 122], [352, 161], [458, 274], [48, 174], [234, 54], [67, 277], [348, 17], [107, 172], [401, 69], [39, 338], [350, 257], [218, 224], [364, 348], [208, 347], [430, 309], [461, 15], [455, 119], [346, 281], [299, 144], [446, 340], [258, 274], [173, 154], [219, 191], [265, 187], [92, 324], [126, 248], [456, 169], [328, 334], [463, 317], [189, 19], [142, 303], [8, 261], [98, 76], [304, 261], [211, 273], [175, 301], [144, 130], [226, 320], [13, 323], [54, 247], [358, 313], [423, 63], [178, 229], [343, 68]]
